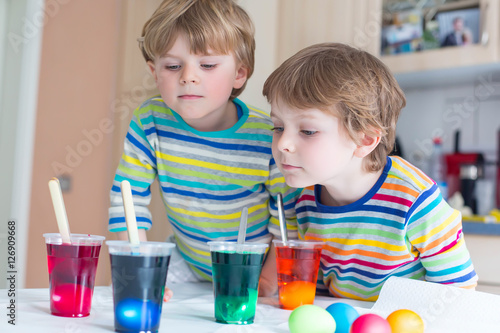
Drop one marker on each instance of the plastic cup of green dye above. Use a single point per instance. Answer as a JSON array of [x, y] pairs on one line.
[[236, 270]]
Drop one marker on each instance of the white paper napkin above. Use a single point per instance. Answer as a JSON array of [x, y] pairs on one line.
[[443, 308]]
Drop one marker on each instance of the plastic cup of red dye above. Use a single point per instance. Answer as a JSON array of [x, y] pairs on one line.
[[297, 263], [72, 269]]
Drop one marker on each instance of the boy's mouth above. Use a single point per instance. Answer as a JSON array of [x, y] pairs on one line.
[[289, 167], [190, 96]]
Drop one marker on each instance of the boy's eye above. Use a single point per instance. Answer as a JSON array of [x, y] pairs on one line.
[[277, 129], [208, 66], [306, 132], [172, 67]]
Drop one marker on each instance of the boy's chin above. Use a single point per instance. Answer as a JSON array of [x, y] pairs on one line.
[[297, 182]]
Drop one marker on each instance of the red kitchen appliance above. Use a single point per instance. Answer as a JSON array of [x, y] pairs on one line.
[[455, 161]]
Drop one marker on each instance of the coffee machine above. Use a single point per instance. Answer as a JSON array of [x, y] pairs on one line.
[[462, 172]]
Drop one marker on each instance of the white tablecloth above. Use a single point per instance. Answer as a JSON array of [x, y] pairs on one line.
[[444, 309], [190, 310]]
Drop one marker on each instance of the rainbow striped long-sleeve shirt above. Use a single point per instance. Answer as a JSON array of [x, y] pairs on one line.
[[401, 227], [206, 179]]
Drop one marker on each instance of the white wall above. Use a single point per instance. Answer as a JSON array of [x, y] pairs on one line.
[[472, 108], [264, 14]]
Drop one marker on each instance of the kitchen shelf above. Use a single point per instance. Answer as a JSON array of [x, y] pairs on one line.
[[358, 23], [487, 52], [481, 228]]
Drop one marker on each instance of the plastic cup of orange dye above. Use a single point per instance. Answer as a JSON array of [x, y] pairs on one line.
[[298, 264]]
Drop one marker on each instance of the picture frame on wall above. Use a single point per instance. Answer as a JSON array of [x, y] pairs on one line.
[[404, 34], [459, 27], [428, 28]]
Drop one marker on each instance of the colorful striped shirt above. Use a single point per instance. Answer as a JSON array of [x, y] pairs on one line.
[[401, 227], [206, 179]]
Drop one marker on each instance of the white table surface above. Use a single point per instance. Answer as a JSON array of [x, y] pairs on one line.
[[190, 310]]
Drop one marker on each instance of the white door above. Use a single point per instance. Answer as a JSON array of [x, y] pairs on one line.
[[21, 25]]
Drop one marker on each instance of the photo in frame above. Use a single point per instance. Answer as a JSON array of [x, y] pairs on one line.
[[459, 27]]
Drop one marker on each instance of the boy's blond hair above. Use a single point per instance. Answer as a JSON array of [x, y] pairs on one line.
[[349, 83], [219, 25]]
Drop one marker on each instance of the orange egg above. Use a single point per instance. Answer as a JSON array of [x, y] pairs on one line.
[[296, 293], [405, 321]]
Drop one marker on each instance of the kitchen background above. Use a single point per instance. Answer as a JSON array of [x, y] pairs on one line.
[[71, 74]]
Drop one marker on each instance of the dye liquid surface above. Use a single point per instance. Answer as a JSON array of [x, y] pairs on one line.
[[297, 275], [236, 282], [138, 288], [72, 270]]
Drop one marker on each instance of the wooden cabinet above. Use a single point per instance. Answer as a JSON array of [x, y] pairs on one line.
[[303, 23], [486, 52], [359, 23]]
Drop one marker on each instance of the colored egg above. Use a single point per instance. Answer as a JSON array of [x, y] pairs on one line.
[[71, 298], [405, 321], [297, 293], [137, 314], [311, 319], [344, 316], [370, 323]]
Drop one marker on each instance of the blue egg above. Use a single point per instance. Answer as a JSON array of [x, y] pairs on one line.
[[137, 314], [344, 316]]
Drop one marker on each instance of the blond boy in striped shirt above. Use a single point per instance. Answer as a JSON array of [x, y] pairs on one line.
[[334, 110]]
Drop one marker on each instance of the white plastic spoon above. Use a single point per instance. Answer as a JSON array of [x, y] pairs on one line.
[[281, 216], [242, 232], [128, 205], [60, 210]]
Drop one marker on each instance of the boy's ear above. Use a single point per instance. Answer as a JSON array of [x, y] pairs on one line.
[[152, 68], [368, 144], [241, 77]]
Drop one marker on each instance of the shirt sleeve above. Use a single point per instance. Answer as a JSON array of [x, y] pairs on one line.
[[276, 184], [435, 231], [138, 166]]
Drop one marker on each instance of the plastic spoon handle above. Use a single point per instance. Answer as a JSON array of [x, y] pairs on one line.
[[242, 232], [281, 216], [60, 210], [128, 205]]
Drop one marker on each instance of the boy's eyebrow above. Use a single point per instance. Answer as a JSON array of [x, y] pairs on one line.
[[306, 115], [209, 53], [301, 116]]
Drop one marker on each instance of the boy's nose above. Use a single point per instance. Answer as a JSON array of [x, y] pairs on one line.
[[285, 144], [188, 76]]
